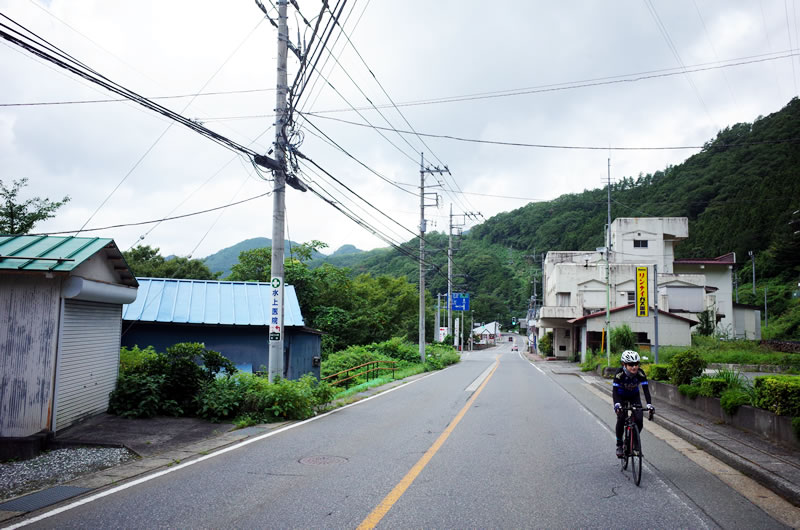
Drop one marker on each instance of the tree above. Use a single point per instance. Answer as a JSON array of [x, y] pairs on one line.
[[146, 262], [254, 266], [19, 217]]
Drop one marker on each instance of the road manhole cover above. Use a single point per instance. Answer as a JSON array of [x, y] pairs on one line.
[[322, 460]]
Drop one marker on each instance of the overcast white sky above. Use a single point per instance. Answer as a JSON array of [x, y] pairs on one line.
[[419, 51]]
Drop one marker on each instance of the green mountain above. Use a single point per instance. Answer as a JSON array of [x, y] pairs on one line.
[[741, 193], [223, 260]]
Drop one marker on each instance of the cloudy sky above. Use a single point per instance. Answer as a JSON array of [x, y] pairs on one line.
[[601, 74]]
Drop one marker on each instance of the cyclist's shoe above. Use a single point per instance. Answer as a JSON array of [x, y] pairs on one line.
[[620, 452]]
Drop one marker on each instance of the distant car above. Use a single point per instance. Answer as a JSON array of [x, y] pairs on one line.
[[514, 348]]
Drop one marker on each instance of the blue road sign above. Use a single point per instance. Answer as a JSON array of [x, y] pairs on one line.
[[460, 302]]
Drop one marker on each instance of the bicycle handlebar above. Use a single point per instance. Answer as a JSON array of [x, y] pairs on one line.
[[632, 406]]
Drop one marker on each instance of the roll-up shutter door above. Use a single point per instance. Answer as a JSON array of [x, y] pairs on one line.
[[88, 360]]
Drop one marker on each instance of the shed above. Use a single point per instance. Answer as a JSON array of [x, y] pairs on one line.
[[60, 322], [674, 330], [229, 317]]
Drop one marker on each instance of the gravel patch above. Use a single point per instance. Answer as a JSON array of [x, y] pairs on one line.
[[56, 467]]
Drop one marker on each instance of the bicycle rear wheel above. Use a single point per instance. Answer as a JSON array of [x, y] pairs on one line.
[[636, 455]]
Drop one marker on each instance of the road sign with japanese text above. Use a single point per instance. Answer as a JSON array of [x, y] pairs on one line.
[[460, 302]]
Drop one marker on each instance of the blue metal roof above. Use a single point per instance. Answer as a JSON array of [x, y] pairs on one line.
[[209, 302]]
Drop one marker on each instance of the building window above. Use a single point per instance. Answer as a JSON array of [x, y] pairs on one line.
[[639, 243], [631, 297], [562, 299], [566, 333]]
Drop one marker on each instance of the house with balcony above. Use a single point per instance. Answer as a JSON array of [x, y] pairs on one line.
[[580, 284]]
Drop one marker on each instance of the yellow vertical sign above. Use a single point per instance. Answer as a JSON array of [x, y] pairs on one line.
[[641, 292]]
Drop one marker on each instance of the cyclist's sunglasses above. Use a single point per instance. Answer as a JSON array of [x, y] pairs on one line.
[[632, 364]]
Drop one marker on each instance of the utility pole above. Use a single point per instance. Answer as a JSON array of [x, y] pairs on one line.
[[453, 225], [422, 228], [450, 273], [655, 304], [753, 261], [438, 316], [278, 201], [608, 270]]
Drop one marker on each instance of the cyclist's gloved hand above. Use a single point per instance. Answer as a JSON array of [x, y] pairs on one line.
[[650, 407], [617, 407]]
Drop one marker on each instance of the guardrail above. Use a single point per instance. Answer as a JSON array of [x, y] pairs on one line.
[[374, 372]]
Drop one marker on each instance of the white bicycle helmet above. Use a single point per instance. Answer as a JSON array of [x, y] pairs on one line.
[[629, 356]]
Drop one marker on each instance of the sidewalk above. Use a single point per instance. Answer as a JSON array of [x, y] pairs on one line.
[[771, 465]]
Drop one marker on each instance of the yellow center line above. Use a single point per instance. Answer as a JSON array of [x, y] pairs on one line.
[[386, 504]]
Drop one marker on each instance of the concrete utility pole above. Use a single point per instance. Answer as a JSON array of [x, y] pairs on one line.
[[450, 274], [278, 202], [422, 229], [655, 304], [438, 316], [608, 270], [753, 261]]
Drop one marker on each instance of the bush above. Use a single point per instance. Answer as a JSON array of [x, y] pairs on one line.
[[349, 358], [438, 359], [658, 372], [141, 396], [778, 394], [733, 398], [713, 386], [133, 359], [687, 390], [546, 344], [173, 379], [220, 399], [622, 338], [685, 365], [284, 399]]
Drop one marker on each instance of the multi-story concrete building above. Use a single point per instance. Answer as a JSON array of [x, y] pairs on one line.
[[579, 285]]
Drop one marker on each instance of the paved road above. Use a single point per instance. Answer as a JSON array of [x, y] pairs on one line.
[[493, 442]]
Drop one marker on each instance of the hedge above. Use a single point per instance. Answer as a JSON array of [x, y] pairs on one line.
[[779, 394]]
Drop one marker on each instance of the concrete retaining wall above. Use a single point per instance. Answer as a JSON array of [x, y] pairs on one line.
[[775, 428]]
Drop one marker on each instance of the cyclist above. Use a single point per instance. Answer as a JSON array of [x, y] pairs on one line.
[[625, 389]]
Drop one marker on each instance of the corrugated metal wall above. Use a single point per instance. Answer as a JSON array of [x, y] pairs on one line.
[[29, 311], [88, 360]]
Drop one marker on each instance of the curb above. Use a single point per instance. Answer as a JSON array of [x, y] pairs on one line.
[[780, 486]]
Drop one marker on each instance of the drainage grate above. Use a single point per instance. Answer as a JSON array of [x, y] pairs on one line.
[[43, 498], [322, 460]]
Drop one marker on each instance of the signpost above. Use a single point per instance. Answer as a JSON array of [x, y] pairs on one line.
[[641, 292], [276, 309], [460, 302]]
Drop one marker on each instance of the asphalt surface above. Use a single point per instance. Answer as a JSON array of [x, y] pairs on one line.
[[534, 449]]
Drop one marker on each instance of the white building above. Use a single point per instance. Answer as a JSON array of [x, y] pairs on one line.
[[575, 286]]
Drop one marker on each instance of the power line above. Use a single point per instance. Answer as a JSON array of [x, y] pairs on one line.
[[120, 100], [156, 220], [553, 146], [76, 67]]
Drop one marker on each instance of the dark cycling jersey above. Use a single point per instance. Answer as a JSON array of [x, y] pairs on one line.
[[626, 386]]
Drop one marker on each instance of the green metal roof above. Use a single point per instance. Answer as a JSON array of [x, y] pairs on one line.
[[59, 254]]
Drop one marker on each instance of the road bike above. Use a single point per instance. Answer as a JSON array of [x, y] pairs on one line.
[[632, 442]]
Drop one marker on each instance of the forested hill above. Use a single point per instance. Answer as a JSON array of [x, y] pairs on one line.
[[739, 193]]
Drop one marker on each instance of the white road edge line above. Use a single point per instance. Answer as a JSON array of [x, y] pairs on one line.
[[529, 361], [172, 469]]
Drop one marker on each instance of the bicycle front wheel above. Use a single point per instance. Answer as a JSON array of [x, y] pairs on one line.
[[626, 449], [636, 455]]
